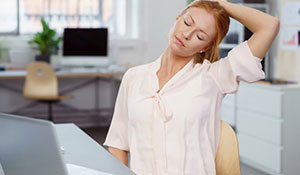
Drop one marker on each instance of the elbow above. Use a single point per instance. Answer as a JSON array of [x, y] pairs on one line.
[[274, 25], [271, 28]]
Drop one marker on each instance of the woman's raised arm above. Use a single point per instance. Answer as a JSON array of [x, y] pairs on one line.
[[263, 26]]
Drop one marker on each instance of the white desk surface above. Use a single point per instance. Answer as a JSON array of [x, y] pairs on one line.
[[67, 73], [80, 149]]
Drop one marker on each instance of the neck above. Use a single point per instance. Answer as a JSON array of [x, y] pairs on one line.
[[172, 63]]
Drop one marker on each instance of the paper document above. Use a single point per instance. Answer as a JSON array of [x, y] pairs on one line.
[[289, 38], [291, 15], [79, 170]]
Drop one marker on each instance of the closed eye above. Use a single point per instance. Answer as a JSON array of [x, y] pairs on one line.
[[199, 37], [186, 23]]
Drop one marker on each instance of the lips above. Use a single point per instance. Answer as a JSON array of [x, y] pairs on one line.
[[179, 41]]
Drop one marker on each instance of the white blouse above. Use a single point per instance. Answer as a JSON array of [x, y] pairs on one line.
[[176, 131]]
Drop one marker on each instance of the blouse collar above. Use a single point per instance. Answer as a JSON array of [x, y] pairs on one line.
[[157, 65]]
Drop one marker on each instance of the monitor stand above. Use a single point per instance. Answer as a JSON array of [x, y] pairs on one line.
[[84, 61]]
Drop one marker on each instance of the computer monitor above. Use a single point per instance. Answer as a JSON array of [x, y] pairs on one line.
[[85, 47], [85, 42]]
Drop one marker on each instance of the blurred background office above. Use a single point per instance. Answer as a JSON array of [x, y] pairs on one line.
[[133, 32]]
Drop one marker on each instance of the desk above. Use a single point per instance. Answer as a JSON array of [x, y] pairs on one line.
[[70, 81], [82, 150], [21, 74]]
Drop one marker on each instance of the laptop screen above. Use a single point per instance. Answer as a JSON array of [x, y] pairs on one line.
[[29, 147], [85, 42]]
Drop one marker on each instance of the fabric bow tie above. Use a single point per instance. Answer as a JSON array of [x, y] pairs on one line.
[[164, 109]]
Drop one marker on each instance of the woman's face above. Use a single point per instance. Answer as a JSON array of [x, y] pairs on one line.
[[192, 32]]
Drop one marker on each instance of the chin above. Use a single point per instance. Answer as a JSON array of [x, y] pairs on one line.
[[177, 50]]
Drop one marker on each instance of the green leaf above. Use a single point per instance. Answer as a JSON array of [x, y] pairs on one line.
[[46, 42]]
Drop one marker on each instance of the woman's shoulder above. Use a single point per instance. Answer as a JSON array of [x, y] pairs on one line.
[[136, 74], [140, 70], [200, 66]]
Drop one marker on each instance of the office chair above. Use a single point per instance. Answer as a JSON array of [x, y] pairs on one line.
[[41, 84], [227, 157]]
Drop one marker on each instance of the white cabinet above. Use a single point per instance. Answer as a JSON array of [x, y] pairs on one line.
[[228, 111], [268, 127]]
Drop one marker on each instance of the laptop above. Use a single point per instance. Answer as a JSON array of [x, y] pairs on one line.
[[30, 147]]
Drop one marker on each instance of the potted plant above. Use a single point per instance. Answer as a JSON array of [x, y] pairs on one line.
[[46, 42]]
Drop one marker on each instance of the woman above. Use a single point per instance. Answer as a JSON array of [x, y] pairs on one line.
[[167, 112]]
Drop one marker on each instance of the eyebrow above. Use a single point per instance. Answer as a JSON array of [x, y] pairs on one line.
[[194, 23]]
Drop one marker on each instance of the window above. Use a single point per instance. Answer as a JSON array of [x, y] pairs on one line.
[[23, 16], [8, 16]]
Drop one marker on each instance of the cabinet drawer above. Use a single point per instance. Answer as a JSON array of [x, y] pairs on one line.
[[259, 125], [260, 100], [227, 114], [260, 152]]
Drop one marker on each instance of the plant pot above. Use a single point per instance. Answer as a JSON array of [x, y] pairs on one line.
[[42, 58]]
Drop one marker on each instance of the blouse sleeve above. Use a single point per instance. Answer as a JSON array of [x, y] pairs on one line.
[[117, 135], [239, 65]]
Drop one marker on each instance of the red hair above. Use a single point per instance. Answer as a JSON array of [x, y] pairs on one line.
[[222, 24]]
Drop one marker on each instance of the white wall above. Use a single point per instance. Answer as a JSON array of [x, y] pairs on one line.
[[161, 15], [156, 18]]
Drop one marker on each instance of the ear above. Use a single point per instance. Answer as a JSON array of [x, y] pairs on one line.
[[205, 49]]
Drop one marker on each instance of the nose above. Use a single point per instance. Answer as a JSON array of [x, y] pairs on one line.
[[187, 34]]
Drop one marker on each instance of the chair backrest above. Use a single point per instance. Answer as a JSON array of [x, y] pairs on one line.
[[227, 157], [41, 82]]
